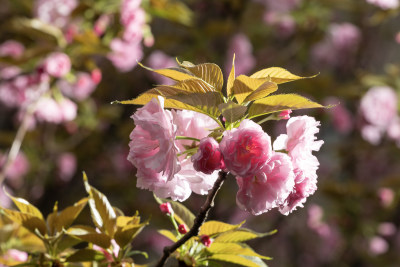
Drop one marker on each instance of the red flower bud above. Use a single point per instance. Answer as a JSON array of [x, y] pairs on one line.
[[166, 208], [285, 114], [96, 76], [208, 158], [206, 240], [182, 228]]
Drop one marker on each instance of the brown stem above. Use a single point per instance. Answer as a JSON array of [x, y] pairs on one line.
[[200, 218]]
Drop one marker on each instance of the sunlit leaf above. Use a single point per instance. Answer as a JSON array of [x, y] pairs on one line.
[[168, 234], [244, 86], [231, 78], [103, 213], [233, 259], [264, 90], [206, 103], [234, 249], [214, 227], [277, 103], [24, 206], [85, 254], [208, 72], [176, 74], [278, 75], [29, 221], [232, 111], [89, 234], [69, 214], [126, 233], [240, 235]]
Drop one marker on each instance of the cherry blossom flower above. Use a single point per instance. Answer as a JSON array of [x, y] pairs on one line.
[[246, 149], [57, 64], [54, 12], [267, 189], [81, 88], [125, 55], [300, 141], [66, 165], [208, 158], [378, 245], [385, 4], [12, 49]]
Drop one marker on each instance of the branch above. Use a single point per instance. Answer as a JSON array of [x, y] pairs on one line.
[[198, 222]]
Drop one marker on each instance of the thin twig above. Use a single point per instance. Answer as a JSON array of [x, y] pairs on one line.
[[198, 222]]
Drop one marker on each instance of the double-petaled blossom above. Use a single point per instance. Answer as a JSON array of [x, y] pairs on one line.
[[81, 89], [300, 141], [269, 188], [50, 110], [246, 149], [57, 64], [208, 158], [55, 12], [154, 151]]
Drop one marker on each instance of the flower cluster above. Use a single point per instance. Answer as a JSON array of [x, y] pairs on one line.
[[164, 142]]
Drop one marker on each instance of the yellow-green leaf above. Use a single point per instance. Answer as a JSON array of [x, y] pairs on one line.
[[208, 72], [29, 221], [234, 259], [232, 111], [215, 227], [206, 103], [25, 207], [66, 217], [277, 103], [102, 212], [234, 249], [244, 86], [176, 74], [182, 214], [278, 75], [231, 79], [172, 10], [240, 235], [124, 235], [264, 90], [90, 235], [168, 234]]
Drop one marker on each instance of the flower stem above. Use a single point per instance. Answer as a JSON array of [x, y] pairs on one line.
[[200, 219]]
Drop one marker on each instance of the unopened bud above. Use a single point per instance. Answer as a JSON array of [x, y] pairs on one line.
[[285, 114], [166, 208], [206, 240], [182, 228], [96, 76]]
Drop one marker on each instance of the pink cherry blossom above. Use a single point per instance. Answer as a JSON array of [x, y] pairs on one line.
[[300, 141], [208, 158], [16, 255], [66, 165], [385, 4], [68, 109], [246, 149], [101, 24], [378, 245], [128, 11], [18, 168], [125, 55], [269, 188], [166, 208], [284, 24], [241, 46], [160, 60], [387, 229], [48, 110], [55, 12], [96, 76], [12, 49], [57, 64], [80, 89], [133, 31]]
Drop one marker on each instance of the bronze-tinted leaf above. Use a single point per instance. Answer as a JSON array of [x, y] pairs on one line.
[[231, 79], [85, 254], [232, 111], [176, 74], [29, 221], [208, 72], [244, 86], [25, 207], [90, 235], [264, 90], [278, 75]]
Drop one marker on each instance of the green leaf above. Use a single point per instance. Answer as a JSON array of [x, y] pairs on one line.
[[103, 214], [240, 235], [234, 259], [172, 10], [234, 249], [232, 111], [231, 78], [215, 227], [206, 103], [264, 90], [90, 235], [208, 72], [85, 254], [40, 29], [176, 74], [127, 229], [182, 214], [24, 206], [278, 75], [277, 103], [244, 86], [29, 221], [168, 234]]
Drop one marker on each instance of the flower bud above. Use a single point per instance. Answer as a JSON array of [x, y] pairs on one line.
[[166, 208], [206, 240], [182, 228], [208, 158], [96, 76], [285, 115]]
